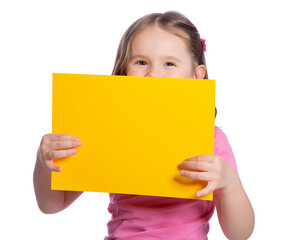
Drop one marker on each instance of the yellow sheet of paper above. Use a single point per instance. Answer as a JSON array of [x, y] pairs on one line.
[[135, 132]]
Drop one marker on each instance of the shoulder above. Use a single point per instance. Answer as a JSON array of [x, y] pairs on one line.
[[220, 137], [219, 132], [223, 148]]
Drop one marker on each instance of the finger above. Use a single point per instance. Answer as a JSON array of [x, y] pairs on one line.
[[197, 165], [201, 176], [208, 189], [53, 154], [64, 144], [62, 137], [203, 158], [51, 167]]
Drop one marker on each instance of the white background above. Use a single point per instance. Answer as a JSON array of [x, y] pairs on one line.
[[252, 52]]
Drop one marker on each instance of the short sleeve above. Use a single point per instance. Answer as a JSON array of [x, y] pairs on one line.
[[223, 149]]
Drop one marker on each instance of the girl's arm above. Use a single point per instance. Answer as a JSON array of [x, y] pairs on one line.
[[234, 209], [235, 212], [52, 201]]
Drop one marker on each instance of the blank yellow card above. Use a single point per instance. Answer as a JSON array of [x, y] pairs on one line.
[[135, 132]]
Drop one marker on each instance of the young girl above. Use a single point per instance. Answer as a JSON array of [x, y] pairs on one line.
[[160, 45]]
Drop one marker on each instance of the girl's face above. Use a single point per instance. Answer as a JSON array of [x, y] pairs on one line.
[[158, 53]]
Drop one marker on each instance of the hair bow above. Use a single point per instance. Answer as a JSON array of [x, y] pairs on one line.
[[203, 44]]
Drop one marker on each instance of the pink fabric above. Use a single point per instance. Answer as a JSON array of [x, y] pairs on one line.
[[148, 217]]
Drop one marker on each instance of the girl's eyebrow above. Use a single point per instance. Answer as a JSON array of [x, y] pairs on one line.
[[164, 57], [137, 56], [172, 58]]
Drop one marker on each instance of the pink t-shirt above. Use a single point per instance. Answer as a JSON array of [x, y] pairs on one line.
[[136, 217]]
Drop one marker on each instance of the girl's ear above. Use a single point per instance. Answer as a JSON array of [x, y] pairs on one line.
[[200, 72]]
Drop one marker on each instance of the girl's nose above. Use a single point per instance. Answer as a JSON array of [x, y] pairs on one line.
[[154, 72]]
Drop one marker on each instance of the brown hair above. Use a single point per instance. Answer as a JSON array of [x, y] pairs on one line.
[[171, 21]]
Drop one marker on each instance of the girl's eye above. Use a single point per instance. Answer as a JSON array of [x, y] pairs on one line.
[[169, 64], [141, 62]]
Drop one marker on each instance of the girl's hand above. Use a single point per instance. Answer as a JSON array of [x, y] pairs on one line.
[[211, 168], [57, 146]]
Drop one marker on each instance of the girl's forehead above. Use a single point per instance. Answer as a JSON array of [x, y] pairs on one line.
[[156, 30], [155, 38]]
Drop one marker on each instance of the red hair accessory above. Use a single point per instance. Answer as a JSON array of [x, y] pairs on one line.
[[203, 44]]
